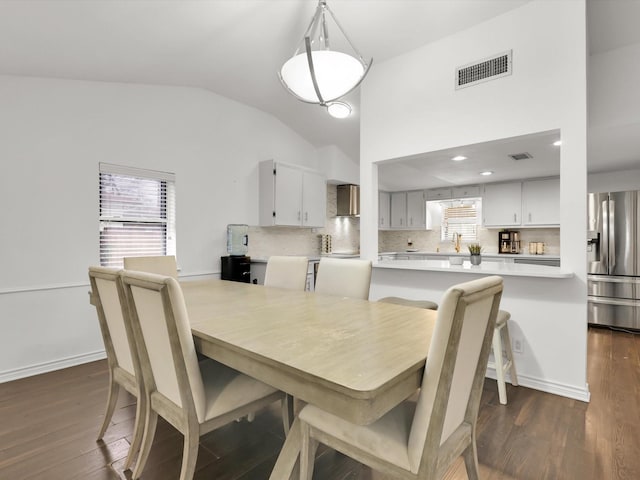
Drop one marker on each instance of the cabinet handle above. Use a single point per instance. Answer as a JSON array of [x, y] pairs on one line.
[[298, 215], [529, 216], [515, 218], [411, 221], [400, 221], [306, 216]]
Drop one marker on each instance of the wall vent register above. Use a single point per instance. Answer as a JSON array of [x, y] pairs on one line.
[[484, 70]]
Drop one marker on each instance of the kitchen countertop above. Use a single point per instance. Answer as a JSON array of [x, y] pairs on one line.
[[485, 268], [466, 254]]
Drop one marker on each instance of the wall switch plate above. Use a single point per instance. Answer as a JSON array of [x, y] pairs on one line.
[[518, 346]]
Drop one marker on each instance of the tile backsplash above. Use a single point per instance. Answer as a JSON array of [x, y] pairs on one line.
[[429, 240]]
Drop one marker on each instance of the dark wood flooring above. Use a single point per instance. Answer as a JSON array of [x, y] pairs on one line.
[[48, 425]]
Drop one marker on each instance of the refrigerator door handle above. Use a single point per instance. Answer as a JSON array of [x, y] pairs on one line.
[[612, 239], [613, 301], [604, 250]]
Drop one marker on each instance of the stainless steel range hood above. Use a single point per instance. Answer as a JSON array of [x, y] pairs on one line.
[[348, 200]]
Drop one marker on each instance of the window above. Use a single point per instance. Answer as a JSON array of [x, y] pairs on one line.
[[137, 213], [460, 216]]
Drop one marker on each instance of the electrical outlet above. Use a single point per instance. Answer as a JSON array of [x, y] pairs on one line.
[[518, 346]]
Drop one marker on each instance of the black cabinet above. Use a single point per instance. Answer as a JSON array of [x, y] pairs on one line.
[[236, 268]]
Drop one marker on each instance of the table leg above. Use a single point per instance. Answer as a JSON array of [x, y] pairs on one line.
[[288, 464]]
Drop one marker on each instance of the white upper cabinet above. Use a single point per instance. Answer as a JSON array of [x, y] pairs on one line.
[[470, 191], [291, 195], [541, 202], [502, 204], [416, 217], [399, 210], [438, 194], [314, 199], [384, 210]]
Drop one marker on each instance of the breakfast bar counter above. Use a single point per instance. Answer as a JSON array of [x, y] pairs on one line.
[[485, 268]]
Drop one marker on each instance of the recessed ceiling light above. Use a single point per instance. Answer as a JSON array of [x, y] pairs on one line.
[[486, 173], [458, 158], [557, 143], [339, 109]]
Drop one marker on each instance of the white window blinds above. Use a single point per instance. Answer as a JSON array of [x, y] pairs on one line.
[[137, 213], [462, 218]]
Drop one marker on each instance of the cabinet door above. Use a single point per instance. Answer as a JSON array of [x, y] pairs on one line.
[[416, 217], [469, 191], [288, 196], [502, 204], [541, 202], [314, 200], [438, 194], [384, 210], [399, 210]]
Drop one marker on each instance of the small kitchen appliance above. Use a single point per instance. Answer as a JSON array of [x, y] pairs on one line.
[[509, 241]]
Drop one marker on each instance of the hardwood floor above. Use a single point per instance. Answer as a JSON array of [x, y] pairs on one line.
[[48, 426]]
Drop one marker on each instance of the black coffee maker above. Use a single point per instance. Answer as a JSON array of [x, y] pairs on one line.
[[509, 241]]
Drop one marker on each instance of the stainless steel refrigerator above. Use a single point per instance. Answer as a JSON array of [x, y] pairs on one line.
[[613, 259]]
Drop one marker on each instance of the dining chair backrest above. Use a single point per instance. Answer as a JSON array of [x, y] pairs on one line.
[[160, 264], [115, 330], [286, 272], [163, 335], [455, 369], [344, 277]]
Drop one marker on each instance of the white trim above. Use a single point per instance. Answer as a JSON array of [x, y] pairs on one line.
[[37, 369], [562, 389], [40, 288], [136, 172]]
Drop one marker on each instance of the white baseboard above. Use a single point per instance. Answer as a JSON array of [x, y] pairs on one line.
[[23, 372], [564, 390]]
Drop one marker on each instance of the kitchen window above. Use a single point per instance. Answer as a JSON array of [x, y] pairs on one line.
[[137, 213], [462, 217]]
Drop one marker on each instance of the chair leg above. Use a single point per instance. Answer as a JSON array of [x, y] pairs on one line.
[[112, 398], [138, 431], [307, 452], [497, 355], [189, 454], [506, 338], [287, 413], [470, 455], [150, 423]]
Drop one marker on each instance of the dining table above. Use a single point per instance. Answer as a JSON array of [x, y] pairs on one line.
[[354, 358]]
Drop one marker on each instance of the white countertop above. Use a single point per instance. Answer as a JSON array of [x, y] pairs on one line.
[[466, 254], [485, 268]]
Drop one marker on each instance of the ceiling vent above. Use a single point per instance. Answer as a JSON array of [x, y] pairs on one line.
[[520, 156], [484, 70]]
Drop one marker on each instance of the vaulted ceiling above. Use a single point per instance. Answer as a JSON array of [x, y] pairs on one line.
[[235, 47]]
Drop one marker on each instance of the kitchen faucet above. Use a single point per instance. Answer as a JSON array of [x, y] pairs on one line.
[[456, 241]]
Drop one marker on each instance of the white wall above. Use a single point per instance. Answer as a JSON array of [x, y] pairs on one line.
[[53, 134], [409, 106], [337, 166], [614, 181]]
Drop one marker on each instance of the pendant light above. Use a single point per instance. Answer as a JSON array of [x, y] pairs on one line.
[[317, 73]]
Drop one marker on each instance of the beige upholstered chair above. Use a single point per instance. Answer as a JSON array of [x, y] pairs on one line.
[[287, 272], [420, 440], [195, 398], [161, 265], [344, 277], [122, 360]]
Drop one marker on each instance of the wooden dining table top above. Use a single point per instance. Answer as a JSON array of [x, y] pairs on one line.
[[354, 358]]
